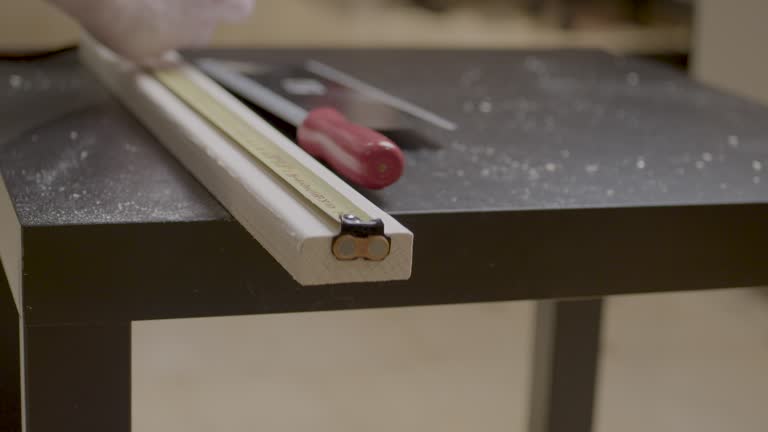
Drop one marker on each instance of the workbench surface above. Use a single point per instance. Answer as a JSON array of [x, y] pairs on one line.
[[572, 173]]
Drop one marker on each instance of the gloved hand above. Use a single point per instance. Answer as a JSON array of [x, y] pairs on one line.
[[143, 30]]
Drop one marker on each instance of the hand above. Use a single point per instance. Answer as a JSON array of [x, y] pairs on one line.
[[144, 30]]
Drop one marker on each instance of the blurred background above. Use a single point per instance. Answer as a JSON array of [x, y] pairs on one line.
[[628, 25], [624, 25], [720, 38], [670, 363]]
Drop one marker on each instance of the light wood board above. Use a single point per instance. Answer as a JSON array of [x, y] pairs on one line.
[[291, 230]]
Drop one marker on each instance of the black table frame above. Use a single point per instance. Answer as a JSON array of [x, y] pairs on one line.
[[79, 377], [78, 374]]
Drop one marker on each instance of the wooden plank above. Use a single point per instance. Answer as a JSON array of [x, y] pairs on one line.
[[297, 235]]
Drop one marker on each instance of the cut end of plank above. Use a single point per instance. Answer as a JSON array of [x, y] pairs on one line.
[[398, 266]]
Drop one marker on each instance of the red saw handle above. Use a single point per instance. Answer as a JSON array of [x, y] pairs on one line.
[[362, 155]]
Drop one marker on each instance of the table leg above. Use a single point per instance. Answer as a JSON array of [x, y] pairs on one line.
[[78, 378], [10, 377], [565, 365]]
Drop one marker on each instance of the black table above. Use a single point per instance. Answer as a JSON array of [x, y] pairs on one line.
[[574, 175]]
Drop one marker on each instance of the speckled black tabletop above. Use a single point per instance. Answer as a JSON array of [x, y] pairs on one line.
[[572, 173]]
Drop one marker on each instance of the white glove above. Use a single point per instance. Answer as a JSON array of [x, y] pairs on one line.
[[143, 30]]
